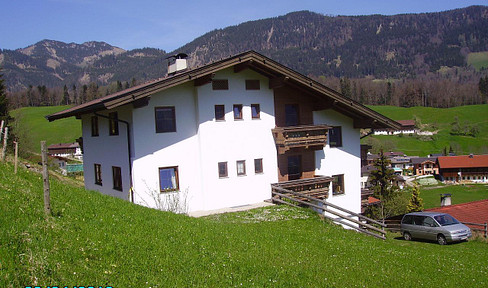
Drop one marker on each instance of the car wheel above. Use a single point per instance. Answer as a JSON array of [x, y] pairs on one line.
[[441, 239], [407, 236]]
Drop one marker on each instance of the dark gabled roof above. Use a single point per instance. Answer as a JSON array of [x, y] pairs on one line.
[[421, 160], [277, 73]]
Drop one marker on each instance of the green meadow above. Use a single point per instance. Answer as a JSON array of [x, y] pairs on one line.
[[97, 240], [478, 60]]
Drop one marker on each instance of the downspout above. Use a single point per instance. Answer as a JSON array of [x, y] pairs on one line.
[[131, 194]]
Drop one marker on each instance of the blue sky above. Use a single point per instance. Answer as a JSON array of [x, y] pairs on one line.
[[169, 25]]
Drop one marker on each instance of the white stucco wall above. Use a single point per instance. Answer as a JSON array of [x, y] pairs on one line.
[[341, 160], [107, 151], [200, 142]]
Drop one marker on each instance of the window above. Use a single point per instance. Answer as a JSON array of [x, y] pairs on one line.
[[258, 166], [338, 184], [223, 170], [335, 136], [168, 179], [253, 85], [291, 115], [117, 177], [220, 112], [165, 119], [255, 111], [113, 123], [98, 174], [294, 167], [237, 111], [94, 126], [220, 84], [241, 168]]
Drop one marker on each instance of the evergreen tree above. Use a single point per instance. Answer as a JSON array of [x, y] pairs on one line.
[[416, 203], [65, 95], [3, 101]]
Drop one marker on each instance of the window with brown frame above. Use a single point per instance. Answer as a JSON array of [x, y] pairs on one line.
[[237, 111], [258, 166], [98, 174], [335, 136], [223, 173], [241, 167], [253, 85], [220, 112], [168, 179], [256, 111], [338, 184], [220, 84], [94, 126], [113, 123], [117, 178], [165, 119]]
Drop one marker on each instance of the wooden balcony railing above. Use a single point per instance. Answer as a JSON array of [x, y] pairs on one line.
[[309, 136], [317, 187]]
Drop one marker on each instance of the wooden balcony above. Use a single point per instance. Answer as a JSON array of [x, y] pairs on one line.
[[316, 187], [307, 136]]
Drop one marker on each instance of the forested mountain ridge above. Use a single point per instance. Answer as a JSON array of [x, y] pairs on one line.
[[398, 46]]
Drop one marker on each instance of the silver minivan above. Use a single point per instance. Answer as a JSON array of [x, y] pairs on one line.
[[441, 227]]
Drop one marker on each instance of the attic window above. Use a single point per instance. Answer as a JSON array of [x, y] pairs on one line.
[[220, 84], [253, 85]]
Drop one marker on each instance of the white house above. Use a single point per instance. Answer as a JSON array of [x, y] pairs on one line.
[[219, 135]]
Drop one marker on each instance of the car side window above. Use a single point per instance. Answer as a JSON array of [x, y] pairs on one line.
[[418, 220], [429, 222], [408, 219]]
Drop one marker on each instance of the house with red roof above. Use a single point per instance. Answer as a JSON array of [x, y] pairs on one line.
[[407, 127], [465, 168]]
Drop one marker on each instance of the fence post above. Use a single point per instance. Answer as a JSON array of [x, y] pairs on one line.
[[16, 156], [1, 129], [45, 177], [486, 230], [5, 137]]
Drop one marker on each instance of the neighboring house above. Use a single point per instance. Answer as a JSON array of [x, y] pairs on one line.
[[65, 150], [407, 127], [465, 168], [425, 166], [219, 135]]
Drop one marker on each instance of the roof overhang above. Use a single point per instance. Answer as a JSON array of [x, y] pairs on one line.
[[278, 74]]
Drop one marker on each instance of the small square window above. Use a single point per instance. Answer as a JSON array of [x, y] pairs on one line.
[[165, 119], [220, 112], [338, 184], [168, 179], [335, 137], [253, 85], [241, 168], [223, 170], [255, 111], [258, 166], [98, 174], [113, 123], [94, 126], [237, 111], [220, 84], [117, 178]]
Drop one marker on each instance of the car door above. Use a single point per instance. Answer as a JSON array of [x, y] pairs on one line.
[[417, 229], [430, 228]]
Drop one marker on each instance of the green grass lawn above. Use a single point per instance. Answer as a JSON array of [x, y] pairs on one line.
[[97, 240], [459, 194], [442, 119], [35, 128], [478, 60]]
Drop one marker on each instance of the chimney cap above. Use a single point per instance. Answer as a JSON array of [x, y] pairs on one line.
[[178, 56]]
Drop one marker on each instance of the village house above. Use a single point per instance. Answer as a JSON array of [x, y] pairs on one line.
[[407, 127], [65, 150], [425, 166], [464, 168], [219, 135]]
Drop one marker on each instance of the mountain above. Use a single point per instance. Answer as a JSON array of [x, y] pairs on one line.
[[398, 46]]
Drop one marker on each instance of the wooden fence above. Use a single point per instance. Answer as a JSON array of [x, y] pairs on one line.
[[484, 230], [344, 217]]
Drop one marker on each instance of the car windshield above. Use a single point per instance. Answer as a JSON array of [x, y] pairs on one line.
[[445, 220]]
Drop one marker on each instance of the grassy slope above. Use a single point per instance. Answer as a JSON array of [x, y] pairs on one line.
[[99, 240], [38, 128], [442, 118], [478, 60], [459, 194]]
